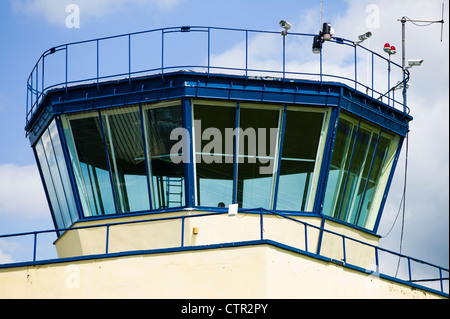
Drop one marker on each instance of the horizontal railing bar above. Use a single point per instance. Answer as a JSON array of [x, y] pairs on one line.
[[257, 211]]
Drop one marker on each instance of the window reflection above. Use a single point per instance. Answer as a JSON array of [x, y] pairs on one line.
[[123, 134], [86, 145], [56, 177], [214, 154], [167, 177], [361, 162], [298, 162], [258, 141]]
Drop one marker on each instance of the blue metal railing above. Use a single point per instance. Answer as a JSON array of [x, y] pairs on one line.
[[47, 73], [379, 263]]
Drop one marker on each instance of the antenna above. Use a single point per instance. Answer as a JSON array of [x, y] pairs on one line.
[[419, 23], [321, 9]]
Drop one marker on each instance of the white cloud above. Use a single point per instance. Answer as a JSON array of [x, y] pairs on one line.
[[21, 191], [5, 256]]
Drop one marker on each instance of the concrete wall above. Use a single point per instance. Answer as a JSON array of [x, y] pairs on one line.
[[217, 229], [261, 271]]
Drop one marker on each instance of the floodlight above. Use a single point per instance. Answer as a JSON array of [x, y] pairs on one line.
[[317, 44], [327, 31]]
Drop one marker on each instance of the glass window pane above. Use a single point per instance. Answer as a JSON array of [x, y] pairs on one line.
[[258, 140], [167, 177], [362, 159], [214, 148], [56, 179], [46, 175], [63, 171], [340, 160], [123, 134], [360, 166], [380, 160], [301, 140], [94, 180]]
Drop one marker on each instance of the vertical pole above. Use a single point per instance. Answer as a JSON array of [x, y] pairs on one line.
[[284, 56], [320, 67], [67, 53], [403, 20], [97, 62], [209, 48], [372, 75], [129, 59], [35, 244], [389, 81], [344, 258], [261, 225], [107, 239], [246, 54], [356, 71], [306, 237], [162, 54], [182, 231], [42, 82]]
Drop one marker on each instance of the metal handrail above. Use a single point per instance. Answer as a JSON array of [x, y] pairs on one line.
[[39, 83], [262, 213]]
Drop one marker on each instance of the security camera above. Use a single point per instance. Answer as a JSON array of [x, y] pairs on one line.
[[285, 25], [414, 62], [364, 36]]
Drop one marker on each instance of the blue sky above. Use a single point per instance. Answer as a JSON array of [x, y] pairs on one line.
[[29, 27]]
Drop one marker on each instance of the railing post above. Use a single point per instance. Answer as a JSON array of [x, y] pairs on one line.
[[34, 246], [67, 62], [261, 226], [129, 59], [409, 268], [42, 82], [306, 237], [376, 260], [107, 239], [356, 71], [209, 48], [246, 55], [162, 54], [182, 231], [372, 75], [343, 250], [284, 57], [98, 63]]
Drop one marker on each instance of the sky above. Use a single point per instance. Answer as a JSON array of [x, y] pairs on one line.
[[29, 27]]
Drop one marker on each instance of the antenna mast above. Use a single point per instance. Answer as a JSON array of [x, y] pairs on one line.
[[420, 23]]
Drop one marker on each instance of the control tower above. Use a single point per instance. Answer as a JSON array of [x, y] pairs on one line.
[[171, 172]]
